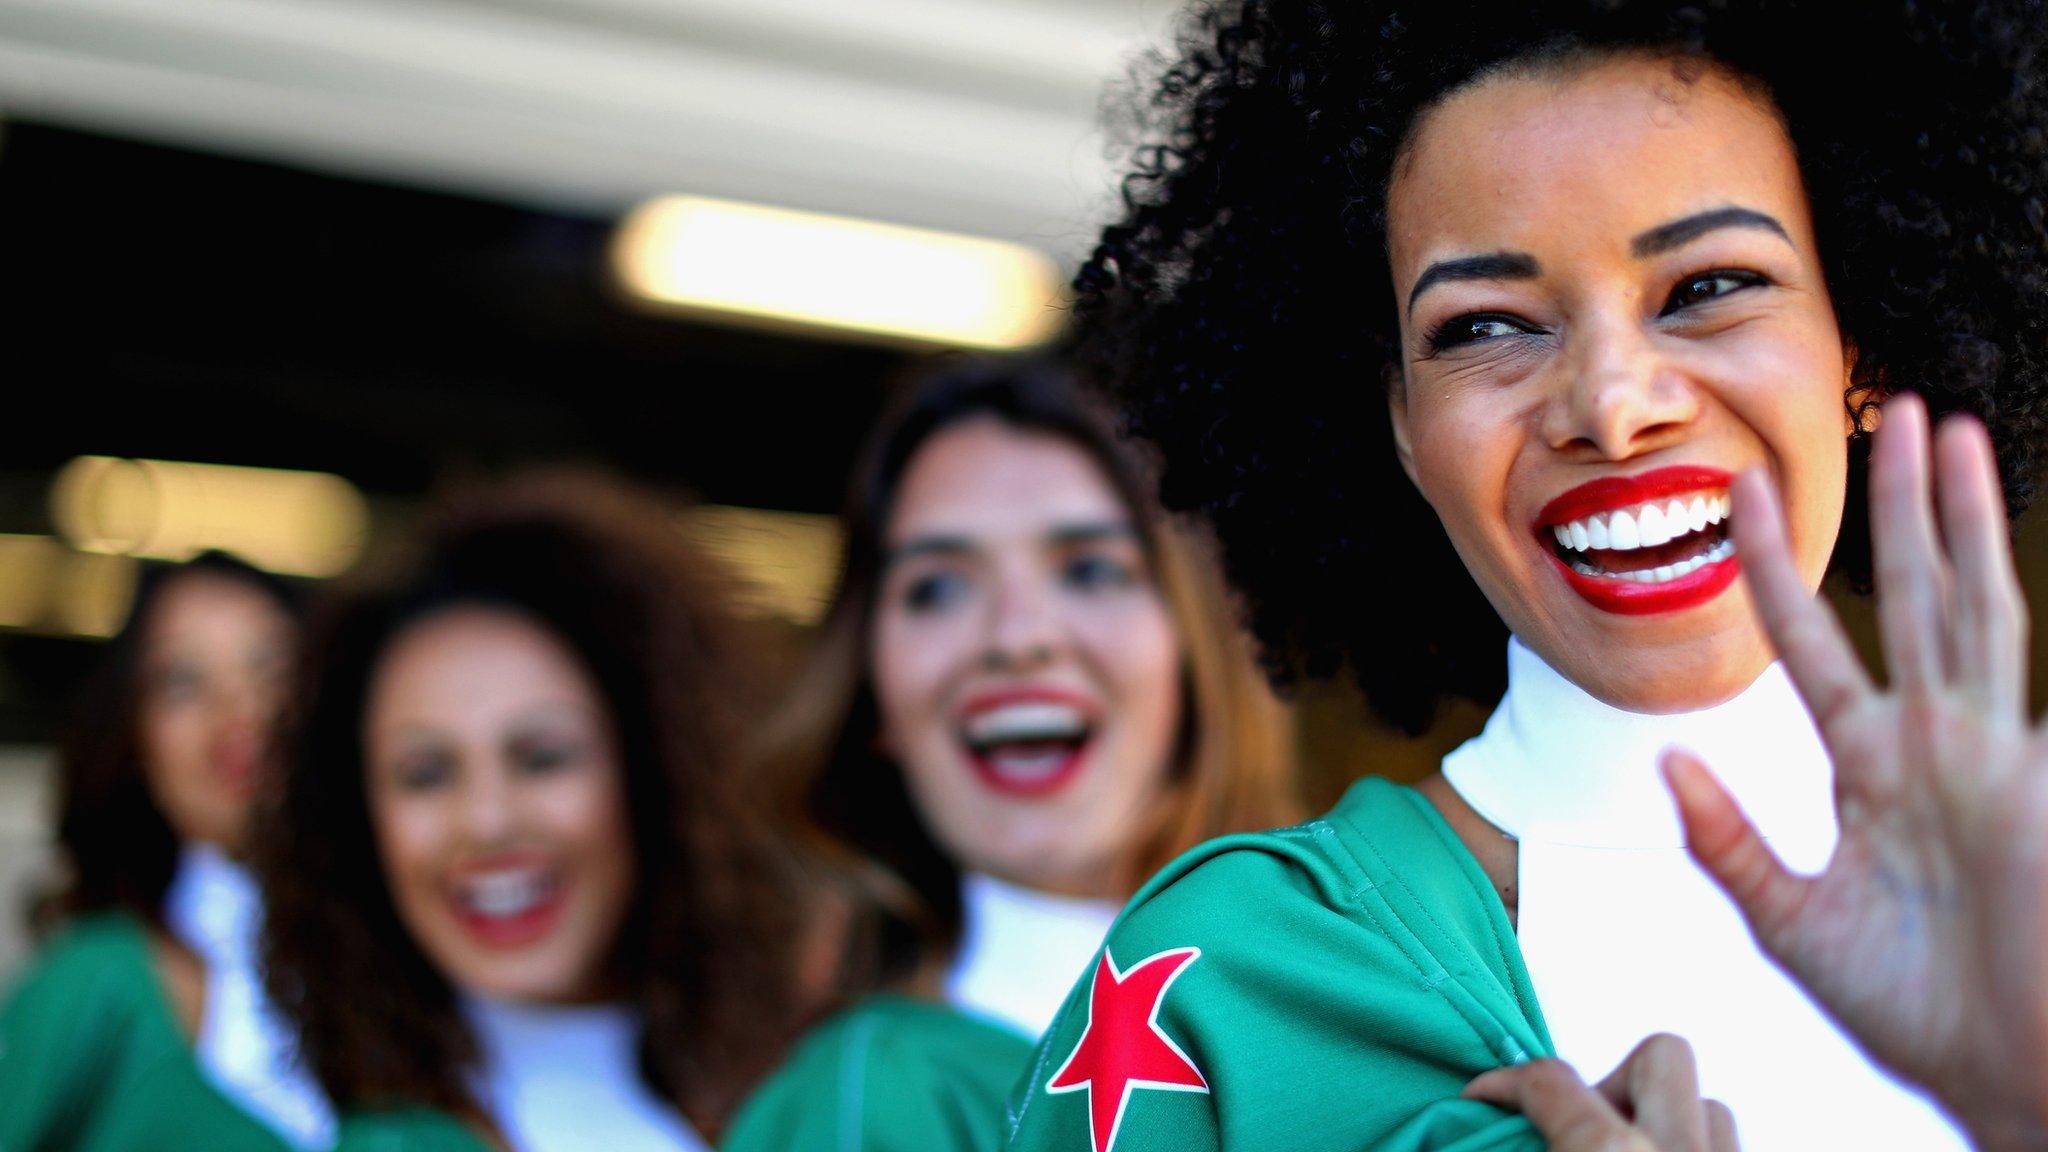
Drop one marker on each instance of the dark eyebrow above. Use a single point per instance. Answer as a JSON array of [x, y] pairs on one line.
[[1492, 266], [926, 546], [1665, 237], [1091, 532]]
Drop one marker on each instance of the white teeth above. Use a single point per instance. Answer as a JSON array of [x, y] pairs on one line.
[[1650, 530], [1646, 526], [1663, 574], [503, 894], [1033, 721], [1621, 530]]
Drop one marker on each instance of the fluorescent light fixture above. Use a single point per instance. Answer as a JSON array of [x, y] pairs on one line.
[[834, 272], [297, 523], [47, 587], [786, 561]]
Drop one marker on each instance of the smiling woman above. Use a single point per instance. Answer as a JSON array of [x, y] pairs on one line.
[[514, 899], [1460, 321], [1028, 695]]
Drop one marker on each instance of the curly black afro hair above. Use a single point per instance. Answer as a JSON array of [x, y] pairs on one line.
[[1243, 307]]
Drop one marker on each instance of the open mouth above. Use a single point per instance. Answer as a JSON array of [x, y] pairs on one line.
[[1654, 543], [1651, 543], [1026, 743], [507, 906]]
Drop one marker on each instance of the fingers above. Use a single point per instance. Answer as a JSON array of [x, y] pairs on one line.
[[1912, 578], [1660, 1082], [1721, 1128], [1571, 1116], [1651, 1102], [1802, 629], [1731, 851], [1988, 634]]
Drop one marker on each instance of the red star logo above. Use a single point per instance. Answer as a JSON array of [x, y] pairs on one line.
[[1123, 1048]]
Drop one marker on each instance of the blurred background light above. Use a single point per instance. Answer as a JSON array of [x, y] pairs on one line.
[[860, 276], [50, 588], [295, 523], [787, 561]]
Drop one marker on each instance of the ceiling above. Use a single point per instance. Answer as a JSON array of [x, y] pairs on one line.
[[971, 115]]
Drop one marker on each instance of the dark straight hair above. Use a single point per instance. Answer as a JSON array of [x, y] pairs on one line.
[[118, 848]]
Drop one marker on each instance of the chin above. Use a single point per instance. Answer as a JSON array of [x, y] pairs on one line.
[[1674, 669]]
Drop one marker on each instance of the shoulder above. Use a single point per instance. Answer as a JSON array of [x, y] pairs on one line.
[[101, 959], [1352, 958], [1380, 865], [890, 1072], [407, 1130]]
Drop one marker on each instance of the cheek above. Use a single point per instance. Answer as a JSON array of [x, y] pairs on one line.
[[173, 741], [412, 834], [1139, 652], [912, 662], [1789, 395], [585, 812], [1463, 453]]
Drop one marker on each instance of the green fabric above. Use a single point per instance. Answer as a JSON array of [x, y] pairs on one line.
[[92, 1058], [1355, 973], [890, 1074], [418, 1130]]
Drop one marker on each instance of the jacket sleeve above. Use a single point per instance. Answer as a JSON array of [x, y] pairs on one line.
[[872, 1083], [1313, 1020], [60, 1035]]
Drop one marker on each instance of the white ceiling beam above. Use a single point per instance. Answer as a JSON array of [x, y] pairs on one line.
[[518, 101]]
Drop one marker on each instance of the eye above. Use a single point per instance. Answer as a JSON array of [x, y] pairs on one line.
[[932, 591], [424, 773], [1473, 329], [176, 684], [1094, 571], [541, 759], [1705, 286]]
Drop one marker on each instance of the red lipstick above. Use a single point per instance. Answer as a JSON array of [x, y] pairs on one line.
[[517, 929], [1617, 593], [1611, 492], [1009, 782]]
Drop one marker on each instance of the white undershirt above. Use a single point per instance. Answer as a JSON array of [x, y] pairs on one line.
[[1624, 936], [558, 1078], [1022, 950], [244, 1045]]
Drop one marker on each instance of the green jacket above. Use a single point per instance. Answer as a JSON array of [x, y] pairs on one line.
[[1327, 986], [890, 1074], [92, 1058]]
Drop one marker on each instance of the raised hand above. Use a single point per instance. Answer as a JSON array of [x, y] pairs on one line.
[[1650, 1104], [1927, 935]]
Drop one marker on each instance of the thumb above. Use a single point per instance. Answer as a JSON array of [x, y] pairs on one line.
[[1731, 851]]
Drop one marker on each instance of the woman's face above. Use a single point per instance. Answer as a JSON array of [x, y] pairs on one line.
[[498, 803], [1026, 668], [216, 654], [1612, 303]]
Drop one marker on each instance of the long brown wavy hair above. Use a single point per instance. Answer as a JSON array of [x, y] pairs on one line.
[[703, 951], [888, 883], [118, 850]]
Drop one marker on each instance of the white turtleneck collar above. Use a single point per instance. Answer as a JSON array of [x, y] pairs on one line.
[[1021, 950], [1557, 763], [1624, 936], [244, 1045], [560, 1077]]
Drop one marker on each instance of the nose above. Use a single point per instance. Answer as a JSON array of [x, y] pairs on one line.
[[1620, 395], [486, 808], [1023, 625]]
